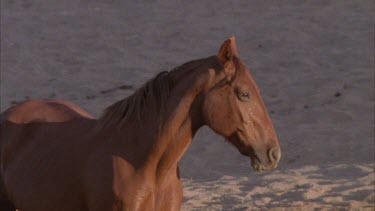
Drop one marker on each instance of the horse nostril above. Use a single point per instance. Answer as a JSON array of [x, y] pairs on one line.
[[274, 155]]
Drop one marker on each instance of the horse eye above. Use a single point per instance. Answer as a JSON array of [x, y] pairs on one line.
[[243, 96]]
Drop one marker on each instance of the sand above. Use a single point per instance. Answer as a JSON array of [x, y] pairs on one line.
[[313, 61]]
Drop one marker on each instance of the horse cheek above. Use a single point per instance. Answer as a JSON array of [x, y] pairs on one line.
[[217, 115]]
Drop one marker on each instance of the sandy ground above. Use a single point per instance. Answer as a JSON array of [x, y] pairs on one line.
[[313, 60]]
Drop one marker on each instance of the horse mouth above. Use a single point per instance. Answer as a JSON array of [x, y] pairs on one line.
[[255, 162], [257, 165]]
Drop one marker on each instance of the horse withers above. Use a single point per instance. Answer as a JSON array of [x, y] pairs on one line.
[[55, 156]]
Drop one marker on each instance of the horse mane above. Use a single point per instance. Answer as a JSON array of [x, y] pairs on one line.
[[149, 99]]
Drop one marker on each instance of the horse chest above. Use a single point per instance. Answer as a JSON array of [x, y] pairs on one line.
[[138, 190]]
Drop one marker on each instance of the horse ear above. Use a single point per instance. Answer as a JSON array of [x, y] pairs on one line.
[[227, 50]]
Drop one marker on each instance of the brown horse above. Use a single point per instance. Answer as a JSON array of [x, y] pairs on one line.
[[55, 156]]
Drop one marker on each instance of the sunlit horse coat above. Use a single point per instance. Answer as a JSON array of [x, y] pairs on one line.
[[55, 156]]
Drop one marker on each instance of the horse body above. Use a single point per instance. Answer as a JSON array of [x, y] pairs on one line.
[[60, 158], [96, 168], [34, 147], [45, 163]]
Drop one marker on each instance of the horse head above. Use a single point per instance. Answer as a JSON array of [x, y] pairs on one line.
[[232, 107]]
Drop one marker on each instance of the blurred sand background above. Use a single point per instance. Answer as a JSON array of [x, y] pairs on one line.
[[313, 61]]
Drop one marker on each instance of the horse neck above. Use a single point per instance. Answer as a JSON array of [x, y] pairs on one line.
[[177, 135], [156, 150], [182, 122], [162, 148]]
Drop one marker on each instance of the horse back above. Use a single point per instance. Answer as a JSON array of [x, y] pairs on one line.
[[46, 110]]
